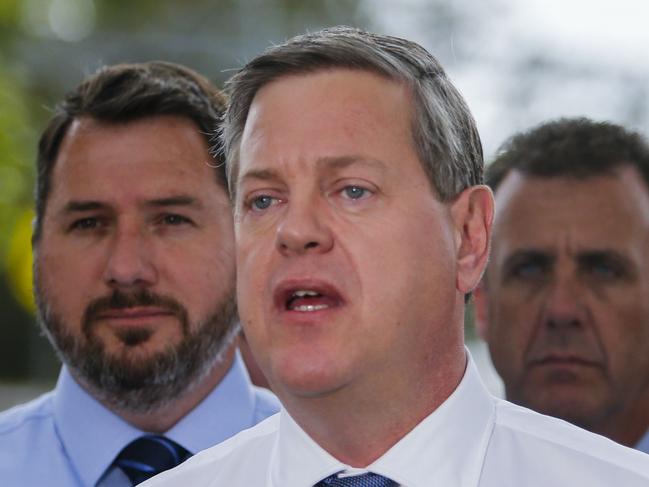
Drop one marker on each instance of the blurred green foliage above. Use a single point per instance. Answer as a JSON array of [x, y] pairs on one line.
[[17, 149], [9, 11]]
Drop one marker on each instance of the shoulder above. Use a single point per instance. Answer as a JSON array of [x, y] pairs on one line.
[[21, 429], [31, 415], [559, 452], [242, 460]]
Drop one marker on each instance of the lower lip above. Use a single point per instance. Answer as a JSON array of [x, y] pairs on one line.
[[309, 314], [565, 363]]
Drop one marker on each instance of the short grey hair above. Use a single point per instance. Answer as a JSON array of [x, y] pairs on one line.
[[444, 132]]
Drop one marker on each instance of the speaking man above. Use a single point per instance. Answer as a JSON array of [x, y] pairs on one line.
[[564, 304], [135, 285], [361, 226]]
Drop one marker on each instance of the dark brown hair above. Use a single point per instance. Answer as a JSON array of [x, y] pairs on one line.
[[570, 148]]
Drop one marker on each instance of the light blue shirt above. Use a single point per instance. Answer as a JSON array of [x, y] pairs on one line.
[[67, 438]]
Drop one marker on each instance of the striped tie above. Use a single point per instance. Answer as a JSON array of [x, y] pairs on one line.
[[365, 480], [149, 455]]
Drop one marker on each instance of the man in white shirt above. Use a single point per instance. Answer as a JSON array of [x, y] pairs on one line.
[[361, 226], [563, 305]]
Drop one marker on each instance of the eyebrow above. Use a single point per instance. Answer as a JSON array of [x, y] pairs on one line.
[[346, 161], [179, 200], [600, 254], [534, 254], [81, 206], [590, 257], [328, 163], [261, 174]]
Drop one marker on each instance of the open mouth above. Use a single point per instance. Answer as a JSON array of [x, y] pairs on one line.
[[308, 299]]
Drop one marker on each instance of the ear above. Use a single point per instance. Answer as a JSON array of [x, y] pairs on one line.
[[481, 309], [472, 213]]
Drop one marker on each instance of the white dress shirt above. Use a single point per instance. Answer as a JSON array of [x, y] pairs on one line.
[[472, 440]]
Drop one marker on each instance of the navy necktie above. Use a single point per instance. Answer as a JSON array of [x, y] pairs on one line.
[[365, 480], [149, 455]]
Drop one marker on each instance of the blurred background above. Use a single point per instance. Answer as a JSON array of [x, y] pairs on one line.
[[518, 62]]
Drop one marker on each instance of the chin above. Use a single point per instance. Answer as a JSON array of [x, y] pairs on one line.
[[306, 379], [573, 404], [578, 413]]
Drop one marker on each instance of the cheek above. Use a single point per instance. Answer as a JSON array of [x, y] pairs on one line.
[[210, 256], [406, 273], [253, 272], [624, 332], [511, 322], [65, 285], [219, 272]]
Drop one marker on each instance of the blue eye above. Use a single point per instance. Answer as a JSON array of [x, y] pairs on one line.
[[354, 192], [262, 202]]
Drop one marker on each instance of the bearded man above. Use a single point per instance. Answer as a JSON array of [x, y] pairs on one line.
[[134, 280]]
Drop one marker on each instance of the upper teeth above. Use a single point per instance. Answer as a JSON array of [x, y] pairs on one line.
[[304, 292]]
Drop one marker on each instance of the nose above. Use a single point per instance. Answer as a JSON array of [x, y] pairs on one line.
[[129, 263], [565, 307], [303, 230]]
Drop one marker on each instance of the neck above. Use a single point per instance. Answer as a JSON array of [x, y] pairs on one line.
[[360, 434], [629, 425], [164, 418]]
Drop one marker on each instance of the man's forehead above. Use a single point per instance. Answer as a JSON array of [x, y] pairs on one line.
[[563, 214], [333, 86], [620, 191], [335, 115], [322, 165], [139, 162]]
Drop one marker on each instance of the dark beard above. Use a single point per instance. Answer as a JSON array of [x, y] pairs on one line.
[[131, 383]]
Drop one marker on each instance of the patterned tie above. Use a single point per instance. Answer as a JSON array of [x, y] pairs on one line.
[[365, 480], [149, 455]]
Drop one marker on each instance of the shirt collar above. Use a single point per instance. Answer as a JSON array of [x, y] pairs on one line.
[[228, 409], [643, 444], [93, 435], [300, 460], [446, 448]]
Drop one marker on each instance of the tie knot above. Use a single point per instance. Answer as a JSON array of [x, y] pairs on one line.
[[364, 480], [149, 455]]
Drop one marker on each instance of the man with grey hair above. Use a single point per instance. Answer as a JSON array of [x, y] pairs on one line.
[[134, 281], [563, 304], [361, 225]]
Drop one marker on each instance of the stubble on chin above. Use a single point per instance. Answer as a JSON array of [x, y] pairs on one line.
[[128, 379]]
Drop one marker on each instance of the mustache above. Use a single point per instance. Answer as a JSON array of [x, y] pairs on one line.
[[122, 300]]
